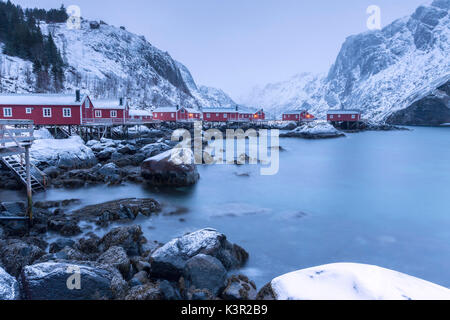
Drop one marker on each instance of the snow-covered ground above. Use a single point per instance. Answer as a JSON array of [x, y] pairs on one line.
[[350, 281], [68, 153], [42, 134]]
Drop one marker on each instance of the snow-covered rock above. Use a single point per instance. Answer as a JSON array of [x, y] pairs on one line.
[[9, 288], [379, 72], [65, 153], [170, 260], [58, 281], [173, 168], [42, 134], [314, 130], [350, 281]]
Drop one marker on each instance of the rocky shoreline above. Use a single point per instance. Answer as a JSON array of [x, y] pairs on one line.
[[122, 264]]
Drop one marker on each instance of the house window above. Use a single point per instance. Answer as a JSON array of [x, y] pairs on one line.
[[47, 112], [113, 113], [28, 110], [67, 113], [217, 114], [225, 115], [98, 113], [331, 116], [88, 105], [208, 115], [353, 116], [7, 112], [172, 115]]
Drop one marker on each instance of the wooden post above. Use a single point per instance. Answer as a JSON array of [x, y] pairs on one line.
[[29, 191]]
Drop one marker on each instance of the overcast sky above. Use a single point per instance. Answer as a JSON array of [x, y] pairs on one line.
[[237, 44]]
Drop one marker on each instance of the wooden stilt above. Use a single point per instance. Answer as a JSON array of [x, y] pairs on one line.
[[29, 190]]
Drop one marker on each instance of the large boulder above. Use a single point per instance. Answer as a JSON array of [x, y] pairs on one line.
[[65, 153], [72, 281], [16, 254], [169, 261], [130, 238], [116, 257], [174, 168], [9, 288], [239, 288], [351, 281], [205, 272]]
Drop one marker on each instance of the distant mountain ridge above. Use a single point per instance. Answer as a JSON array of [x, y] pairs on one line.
[[108, 62], [378, 72]]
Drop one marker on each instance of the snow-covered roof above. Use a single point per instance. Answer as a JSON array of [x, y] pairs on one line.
[[140, 113], [174, 109], [219, 110], [294, 112], [248, 111], [191, 110], [166, 109], [40, 99], [344, 112], [108, 104]]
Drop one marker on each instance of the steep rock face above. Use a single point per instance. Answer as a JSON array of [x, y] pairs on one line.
[[206, 96], [106, 62], [434, 110], [379, 72]]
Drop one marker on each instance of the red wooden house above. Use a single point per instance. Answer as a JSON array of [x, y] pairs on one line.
[[344, 115], [108, 111], [220, 115], [45, 109], [174, 114], [140, 115], [249, 115], [298, 116]]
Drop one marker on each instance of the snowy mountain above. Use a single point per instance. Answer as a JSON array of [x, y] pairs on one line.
[[107, 62], [299, 91], [207, 97], [380, 72]]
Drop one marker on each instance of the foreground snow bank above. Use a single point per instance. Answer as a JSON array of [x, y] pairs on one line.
[[65, 153], [42, 134], [9, 288], [349, 281], [315, 130]]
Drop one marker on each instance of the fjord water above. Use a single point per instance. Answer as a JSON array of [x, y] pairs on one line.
[[378, 198]]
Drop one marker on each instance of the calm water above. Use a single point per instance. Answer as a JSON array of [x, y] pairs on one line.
[[377, 197]]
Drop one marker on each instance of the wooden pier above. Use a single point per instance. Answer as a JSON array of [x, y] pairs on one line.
[[16, 138]]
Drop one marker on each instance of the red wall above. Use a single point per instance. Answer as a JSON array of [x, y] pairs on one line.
[[220, 116], [179, 115], [37, 114], [344, 117], [298, 117]]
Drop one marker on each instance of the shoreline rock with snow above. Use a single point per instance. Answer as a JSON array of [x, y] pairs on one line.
[[174, 168], [69, 153], [351, 281], [314, 130]]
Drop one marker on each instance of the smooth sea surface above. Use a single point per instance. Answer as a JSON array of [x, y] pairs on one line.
[[379, 198]]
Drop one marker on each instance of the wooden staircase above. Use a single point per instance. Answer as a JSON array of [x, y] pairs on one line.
[[16, 165]]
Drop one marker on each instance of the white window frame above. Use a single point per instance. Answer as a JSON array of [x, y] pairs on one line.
[[67, 112], [87, 104], [331, 116], [113, 113], [353, 116], [225, 115], [98, 113], [47, 112], [172, 115], [7, 112], [28, 110], [208, 115]]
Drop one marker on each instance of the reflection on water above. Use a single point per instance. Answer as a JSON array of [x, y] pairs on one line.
[[377, 197]]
